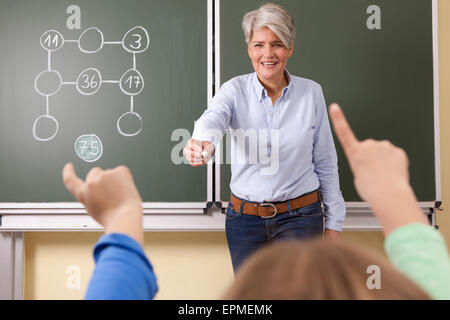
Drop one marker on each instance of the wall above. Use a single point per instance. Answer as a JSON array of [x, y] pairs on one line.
[[197, 265], [443, 218], [188, 265]]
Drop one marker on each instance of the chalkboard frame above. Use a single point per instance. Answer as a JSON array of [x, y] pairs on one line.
[[359, 214], [71, 216], [191, 215]]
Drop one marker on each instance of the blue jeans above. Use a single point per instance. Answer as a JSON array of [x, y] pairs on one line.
[[247, 233]]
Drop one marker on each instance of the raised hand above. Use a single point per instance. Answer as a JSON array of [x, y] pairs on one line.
[[110, 197], [381, 175]]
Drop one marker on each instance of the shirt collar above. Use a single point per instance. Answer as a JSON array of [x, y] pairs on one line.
[[259, 88], [290, 84], [261, 91]]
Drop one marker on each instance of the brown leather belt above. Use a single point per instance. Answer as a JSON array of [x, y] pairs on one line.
[[270, 210]]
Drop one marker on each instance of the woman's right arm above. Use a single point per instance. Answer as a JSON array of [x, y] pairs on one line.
[[211, 126]]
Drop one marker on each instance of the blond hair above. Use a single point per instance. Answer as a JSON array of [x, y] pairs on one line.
[[274, 17], [317, 269]]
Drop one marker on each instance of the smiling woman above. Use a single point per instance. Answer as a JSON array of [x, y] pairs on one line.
[[285, 203], [269, 58], [270, 33]]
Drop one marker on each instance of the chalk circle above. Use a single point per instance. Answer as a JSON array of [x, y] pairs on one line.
[[141, 124], [45, 116], [85, 144], [52, 40], [90, 33], [131, 83], [87, 83], [136, 40], [45, 77]]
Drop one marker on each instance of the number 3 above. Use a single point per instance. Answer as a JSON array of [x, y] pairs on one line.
[[86, 81], [138, 41]]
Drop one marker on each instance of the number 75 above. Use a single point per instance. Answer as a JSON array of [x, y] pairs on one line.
[[93, 146]]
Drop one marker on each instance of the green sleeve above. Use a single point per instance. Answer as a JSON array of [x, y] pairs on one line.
[[420, 252]]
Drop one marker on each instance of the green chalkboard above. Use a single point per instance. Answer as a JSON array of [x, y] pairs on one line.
[[383, 78], [172, 65]]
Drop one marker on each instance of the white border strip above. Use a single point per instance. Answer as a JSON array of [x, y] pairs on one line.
[[214, 221], [77, 205], [11, 265], [209, 55], [359, 218], [19, 265], [437, 133], [219, 151]]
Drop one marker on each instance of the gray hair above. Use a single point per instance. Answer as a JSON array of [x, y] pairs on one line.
[[274, 17]]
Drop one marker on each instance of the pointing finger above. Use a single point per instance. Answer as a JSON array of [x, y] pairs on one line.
[[72, 182], [342, 129]]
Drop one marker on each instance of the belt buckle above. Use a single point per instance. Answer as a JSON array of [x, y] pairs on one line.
[[269, 205]]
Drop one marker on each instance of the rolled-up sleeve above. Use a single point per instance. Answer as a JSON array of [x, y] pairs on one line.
[[213, 123], [420, 252], [326, 166], [122, 271]]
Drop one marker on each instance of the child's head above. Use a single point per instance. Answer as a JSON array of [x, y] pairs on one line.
[[318, 269]]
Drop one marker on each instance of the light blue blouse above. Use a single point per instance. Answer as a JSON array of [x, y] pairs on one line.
[[280, 151]]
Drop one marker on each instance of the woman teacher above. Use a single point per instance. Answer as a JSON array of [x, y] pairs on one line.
[[291, 114]]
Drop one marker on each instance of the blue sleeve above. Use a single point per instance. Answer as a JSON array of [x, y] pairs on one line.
[[122, 271]]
